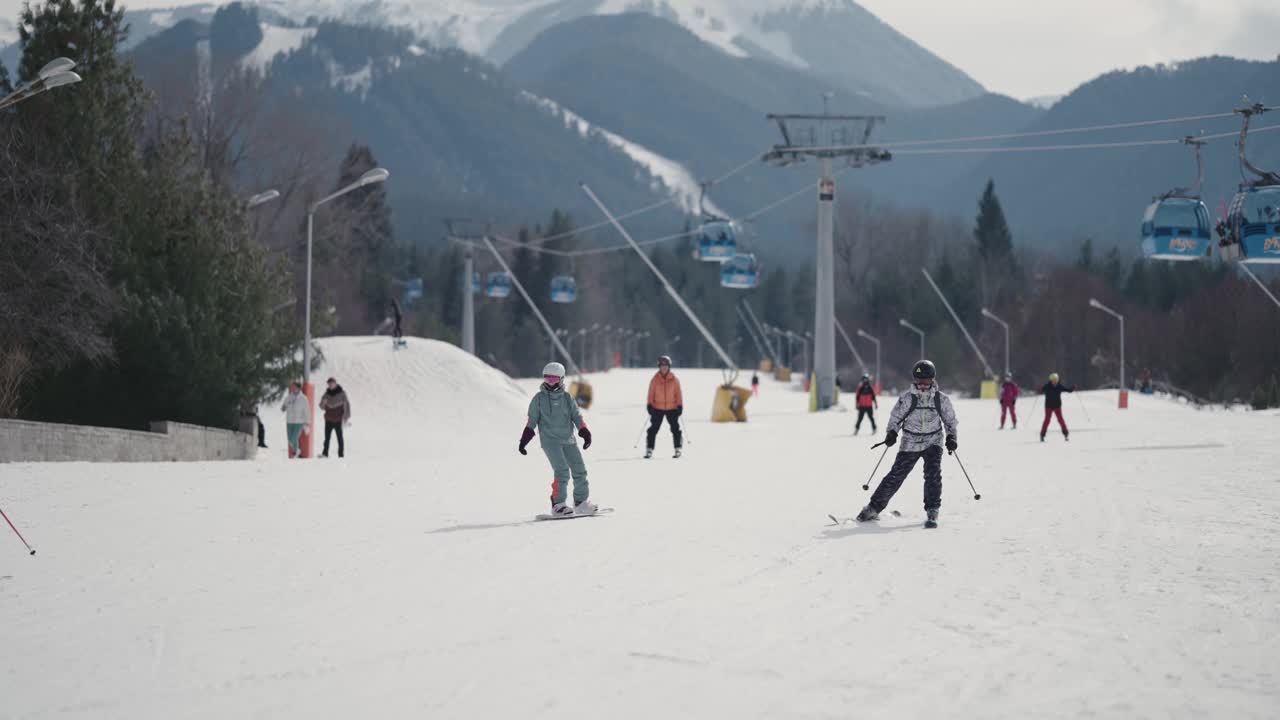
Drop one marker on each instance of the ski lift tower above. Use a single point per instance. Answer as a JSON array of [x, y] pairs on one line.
[[827, 138]]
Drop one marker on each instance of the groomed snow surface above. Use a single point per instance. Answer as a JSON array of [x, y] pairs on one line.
[[1133, 572]]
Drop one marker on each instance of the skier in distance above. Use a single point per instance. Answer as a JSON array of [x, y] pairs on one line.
[[867, 403], [665, 400], [1052, 392], [1008, 399], [928, 422]]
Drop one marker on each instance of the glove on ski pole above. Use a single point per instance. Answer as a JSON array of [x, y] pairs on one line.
[[976, 494], [15, 532], [877, 467]]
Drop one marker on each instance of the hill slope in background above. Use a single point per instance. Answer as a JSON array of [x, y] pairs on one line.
[[1053, 197], [457, 138]]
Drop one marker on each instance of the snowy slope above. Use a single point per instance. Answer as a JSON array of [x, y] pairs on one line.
[[675, 179], [1129, 573]]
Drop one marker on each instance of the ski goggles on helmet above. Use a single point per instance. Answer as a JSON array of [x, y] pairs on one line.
[[551, 379]]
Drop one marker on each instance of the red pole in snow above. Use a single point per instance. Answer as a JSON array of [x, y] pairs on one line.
[[15, 532]]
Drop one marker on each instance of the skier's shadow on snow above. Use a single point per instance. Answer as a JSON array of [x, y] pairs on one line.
[[480, 526]]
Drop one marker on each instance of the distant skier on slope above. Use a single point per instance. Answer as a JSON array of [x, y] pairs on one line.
[[867, 402], [665, 400], [297, 415], [553, 413], [928, 421], [1008, 398], [396, 333], [1052, 392], [755, 384]]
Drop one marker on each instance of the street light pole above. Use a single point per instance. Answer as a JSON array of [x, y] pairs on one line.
[[1124, 395], [374, 176], [917, 331], [864, 335], [991, 316]]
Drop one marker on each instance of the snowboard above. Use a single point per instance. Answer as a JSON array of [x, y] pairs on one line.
[[549, 516]]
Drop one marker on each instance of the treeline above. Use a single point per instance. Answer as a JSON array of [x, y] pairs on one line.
[[1197, 327]]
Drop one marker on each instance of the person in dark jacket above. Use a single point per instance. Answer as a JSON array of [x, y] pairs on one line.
[[337, 411], [396, 333], [867, 402], [1052, 392]]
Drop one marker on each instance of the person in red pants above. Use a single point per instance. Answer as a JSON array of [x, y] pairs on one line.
[[1052, 392], [1008, 399]]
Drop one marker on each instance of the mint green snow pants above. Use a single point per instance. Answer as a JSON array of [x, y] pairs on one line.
[[566, 460]]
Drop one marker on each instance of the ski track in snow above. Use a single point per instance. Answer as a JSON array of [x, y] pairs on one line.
[[409, 580]]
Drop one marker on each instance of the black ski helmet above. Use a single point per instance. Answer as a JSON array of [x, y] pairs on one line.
[[924, 370]]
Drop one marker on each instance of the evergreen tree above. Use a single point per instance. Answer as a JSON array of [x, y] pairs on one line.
[[991, 231]]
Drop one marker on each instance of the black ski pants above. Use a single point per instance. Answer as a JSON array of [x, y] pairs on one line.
[[655, 424], [867, 413], [902, 466], [329, 428]]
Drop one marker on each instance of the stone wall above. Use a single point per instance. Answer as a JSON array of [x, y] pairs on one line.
[[24, 441]]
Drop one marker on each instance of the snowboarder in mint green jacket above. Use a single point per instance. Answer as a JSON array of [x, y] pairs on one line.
[[555, 414]]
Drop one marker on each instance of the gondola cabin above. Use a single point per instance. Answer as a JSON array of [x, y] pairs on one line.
[[498, 286], [717, 241], [742, 272], [564, 289], [1176, 228], [1253, 224]]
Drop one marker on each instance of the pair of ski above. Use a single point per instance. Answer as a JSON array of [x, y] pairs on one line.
[[842, 521]]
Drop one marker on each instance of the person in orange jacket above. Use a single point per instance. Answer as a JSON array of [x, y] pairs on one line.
[[665, 401]]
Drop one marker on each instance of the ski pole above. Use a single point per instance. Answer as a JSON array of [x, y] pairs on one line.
[[877, 467], [1085, 409], [1034, 405], [15, 532], [685, 431], [976, 494], [636, 444]]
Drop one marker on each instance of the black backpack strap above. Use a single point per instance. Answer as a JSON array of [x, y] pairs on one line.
[[914, 402]]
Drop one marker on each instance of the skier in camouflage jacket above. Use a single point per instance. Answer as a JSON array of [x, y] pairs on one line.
[[927, 421]]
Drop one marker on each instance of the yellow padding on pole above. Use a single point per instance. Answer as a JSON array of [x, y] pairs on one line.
[[988, 390], [782, 374], [730, 404], [581, 393], [766, 365]]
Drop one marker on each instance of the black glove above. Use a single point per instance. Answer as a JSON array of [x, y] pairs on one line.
[[952, 444], [650, 410], [679, 411], [525, 437], [891, 438], [585, 434]]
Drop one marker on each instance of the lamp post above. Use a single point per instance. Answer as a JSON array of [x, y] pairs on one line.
[[915, 330], [55, 74], [374, 176], [260, 198], [991, 316], [1124, 392], [862, 334]]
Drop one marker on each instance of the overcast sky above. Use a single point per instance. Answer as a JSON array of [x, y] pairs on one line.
[[1027, 48]]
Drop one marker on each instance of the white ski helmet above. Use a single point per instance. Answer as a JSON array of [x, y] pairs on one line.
[[553, 368]]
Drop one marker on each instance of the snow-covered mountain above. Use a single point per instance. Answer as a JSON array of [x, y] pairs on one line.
[[834, 39]]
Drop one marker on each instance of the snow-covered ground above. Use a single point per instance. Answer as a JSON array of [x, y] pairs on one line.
[[1132, 572]]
